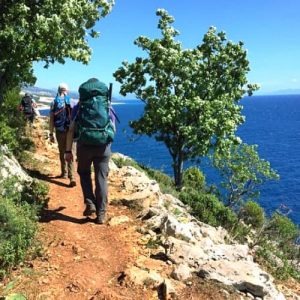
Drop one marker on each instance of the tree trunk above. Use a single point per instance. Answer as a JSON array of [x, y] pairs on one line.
[[178, 170]]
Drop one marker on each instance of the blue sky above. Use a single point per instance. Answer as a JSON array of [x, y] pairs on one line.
[[268, 28]]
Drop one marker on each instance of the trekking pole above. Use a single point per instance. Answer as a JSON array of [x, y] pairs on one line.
[[110, 92], [110, 98]]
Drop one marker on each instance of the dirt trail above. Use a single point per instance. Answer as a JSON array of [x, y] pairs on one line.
[[83, 260]]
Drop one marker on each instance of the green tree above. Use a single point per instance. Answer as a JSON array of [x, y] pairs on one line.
[[194, 178], [252, 214], [191, 95], [242, 171], [48, 31]]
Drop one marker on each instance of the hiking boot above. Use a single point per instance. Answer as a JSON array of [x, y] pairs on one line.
[[89, 210], [100, 219], [72, 183]]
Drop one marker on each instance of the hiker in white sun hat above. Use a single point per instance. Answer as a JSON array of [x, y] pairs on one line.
[[60, 114]]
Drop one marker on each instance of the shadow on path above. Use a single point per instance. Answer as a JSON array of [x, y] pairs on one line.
[[51, 179], [48, 215]]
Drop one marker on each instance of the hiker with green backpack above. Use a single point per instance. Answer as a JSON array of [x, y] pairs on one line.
[[93, 128], [60, 116]]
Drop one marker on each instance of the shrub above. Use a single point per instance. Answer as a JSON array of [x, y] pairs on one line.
[[13, 125], [7, 135], [282, 229], [252, 214], [208, 209], [34, 193], [19, 208], [165, 182], [283, 232], [276, 262], [277, 243], [194, 178], [17, 232]]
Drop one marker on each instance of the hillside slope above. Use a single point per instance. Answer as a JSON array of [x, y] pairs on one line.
[[117, 260]]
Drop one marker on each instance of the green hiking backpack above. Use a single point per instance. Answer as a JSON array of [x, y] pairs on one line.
[[93, 122]]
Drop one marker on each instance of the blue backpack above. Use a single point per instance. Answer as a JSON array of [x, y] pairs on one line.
[[62, 113]]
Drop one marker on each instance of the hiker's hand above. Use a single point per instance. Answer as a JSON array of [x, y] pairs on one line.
[[68, 156], [51, 138]]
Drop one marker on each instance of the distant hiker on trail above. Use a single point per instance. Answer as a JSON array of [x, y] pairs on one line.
[[27, 106], [60, 115], [93, 129]]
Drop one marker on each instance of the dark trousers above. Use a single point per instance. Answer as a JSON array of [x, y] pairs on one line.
[[30, 117], [98, 156], [66, 168]]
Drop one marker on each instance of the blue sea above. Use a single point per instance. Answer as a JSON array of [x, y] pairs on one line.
[[272, 122]]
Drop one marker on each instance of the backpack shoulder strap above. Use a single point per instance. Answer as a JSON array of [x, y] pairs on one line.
[[67, 100], [57, 111]]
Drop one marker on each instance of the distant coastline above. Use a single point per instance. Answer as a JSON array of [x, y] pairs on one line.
[[43, 103]]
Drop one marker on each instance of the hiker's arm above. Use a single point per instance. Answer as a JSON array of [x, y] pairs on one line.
[[34, 103], [51, 123], [51, 127], [70, 135]]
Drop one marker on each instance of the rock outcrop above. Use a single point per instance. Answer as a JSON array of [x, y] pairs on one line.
[[192, 247], [10, 167]]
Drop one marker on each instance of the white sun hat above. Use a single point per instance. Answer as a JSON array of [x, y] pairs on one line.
[[63, 86]]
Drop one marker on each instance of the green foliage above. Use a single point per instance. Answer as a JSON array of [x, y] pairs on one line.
[[194, 178], [19, 208], [240, 232], [276, 261], [191, 96], [17, 232], [48, 31], [13, 125], [243, 171], [252, 214], [208, 209], [282, 229], [277, 248], [153, 243], [34, 193]]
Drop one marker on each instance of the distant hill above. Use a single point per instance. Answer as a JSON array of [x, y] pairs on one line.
[[46, 92], [38, 92], [286, 92]]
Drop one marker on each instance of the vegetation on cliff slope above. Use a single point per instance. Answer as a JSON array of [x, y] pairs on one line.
[[273, 238], [20, 203]]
